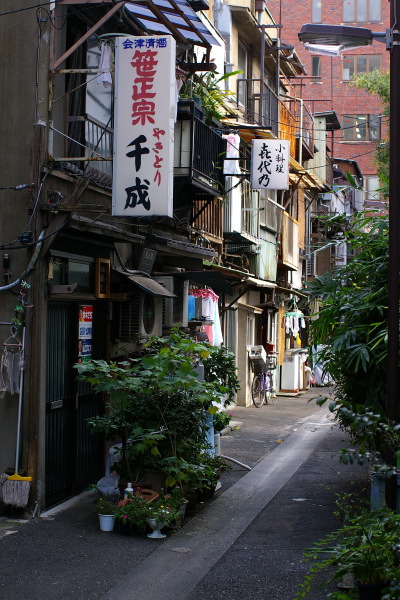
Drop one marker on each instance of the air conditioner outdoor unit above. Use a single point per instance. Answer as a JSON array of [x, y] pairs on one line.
[[141, 315], [175, 310]]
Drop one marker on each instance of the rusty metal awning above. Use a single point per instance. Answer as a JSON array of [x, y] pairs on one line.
[[173, 17], [146, 284]]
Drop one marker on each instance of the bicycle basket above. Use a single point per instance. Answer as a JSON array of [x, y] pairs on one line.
[[258, 367]]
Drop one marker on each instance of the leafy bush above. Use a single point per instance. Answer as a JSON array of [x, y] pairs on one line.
[[157, 407], [367, 545], [136, 511]]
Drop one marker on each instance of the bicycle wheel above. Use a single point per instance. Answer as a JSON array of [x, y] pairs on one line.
[[257, 391], [268, 388]]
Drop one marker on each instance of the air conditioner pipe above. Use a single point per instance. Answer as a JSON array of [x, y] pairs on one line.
[[128, 270]]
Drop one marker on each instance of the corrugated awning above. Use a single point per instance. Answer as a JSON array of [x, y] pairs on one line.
[[147, 284], [248, 131], [173, 17], [213, 279], [261, 283]]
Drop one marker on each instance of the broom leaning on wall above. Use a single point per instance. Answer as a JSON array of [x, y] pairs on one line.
[[16, 488]]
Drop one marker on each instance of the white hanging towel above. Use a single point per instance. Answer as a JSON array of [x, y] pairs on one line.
[[10, 371], [105, 63], [218, 339], [296, 326], [289, 324], [231, 167]]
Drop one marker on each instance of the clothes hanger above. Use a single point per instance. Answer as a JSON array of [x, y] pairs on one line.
[[13, 336]]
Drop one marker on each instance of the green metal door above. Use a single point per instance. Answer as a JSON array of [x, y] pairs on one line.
[[74, 456]]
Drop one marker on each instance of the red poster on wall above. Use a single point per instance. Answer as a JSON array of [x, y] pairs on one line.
[[85, 333]]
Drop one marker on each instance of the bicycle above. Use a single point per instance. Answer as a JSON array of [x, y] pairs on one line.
[[262, 387]]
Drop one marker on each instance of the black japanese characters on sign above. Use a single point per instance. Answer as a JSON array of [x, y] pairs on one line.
[[270, 169]]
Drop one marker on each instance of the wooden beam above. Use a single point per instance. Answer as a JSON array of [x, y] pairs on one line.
[[62, 218], [87, 35], [86, 1]]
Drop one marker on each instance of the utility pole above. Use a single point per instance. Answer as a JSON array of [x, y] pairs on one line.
[[394, 243]]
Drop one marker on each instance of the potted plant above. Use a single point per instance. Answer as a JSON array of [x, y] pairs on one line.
[[156, 409], [368, 546], [205, 88], [106, 510], [136, 512]]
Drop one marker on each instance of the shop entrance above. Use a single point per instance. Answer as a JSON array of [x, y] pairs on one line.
[[74, 456]]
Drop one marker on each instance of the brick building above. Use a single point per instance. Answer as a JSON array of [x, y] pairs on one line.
[[327, 84]]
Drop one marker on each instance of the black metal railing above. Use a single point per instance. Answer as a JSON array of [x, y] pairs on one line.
[[259, 102], [199, 148], [91, 140]]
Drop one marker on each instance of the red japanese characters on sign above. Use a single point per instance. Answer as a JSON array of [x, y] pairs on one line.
[[143, 159]]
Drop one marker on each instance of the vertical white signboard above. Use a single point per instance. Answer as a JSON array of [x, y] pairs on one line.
[[270, 164], [145, 97]]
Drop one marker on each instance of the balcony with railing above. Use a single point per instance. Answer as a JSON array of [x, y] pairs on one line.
[[287, 126], [208, 218], [198, 151], [304, 129], [89, 143], [259, 103]]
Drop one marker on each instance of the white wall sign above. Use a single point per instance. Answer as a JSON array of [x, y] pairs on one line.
[[270, 164], [145, 97]]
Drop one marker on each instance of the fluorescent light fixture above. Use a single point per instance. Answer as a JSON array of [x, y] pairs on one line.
[[335, 35], [325, 50]]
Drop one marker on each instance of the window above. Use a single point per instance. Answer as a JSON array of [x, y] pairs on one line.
[[361, 11], [360, 63], [316, 68], [316, 11], [242, 66], [361, 128], [67, 269], [371, 186]]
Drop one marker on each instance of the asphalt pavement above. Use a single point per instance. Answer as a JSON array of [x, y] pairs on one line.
[[248, 541]]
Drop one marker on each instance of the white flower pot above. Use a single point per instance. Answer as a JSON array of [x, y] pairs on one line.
[[107, 522], [156, 527]]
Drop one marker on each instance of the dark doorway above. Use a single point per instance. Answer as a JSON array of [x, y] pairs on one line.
[[74, 456]]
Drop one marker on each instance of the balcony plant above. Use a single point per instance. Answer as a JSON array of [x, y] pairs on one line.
[[206, 90], [368, 546], [156, 409]]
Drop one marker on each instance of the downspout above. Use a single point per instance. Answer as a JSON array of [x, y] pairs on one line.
[[301, 131]]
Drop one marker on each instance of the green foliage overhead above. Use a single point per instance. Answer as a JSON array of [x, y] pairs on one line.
[[378, 83]]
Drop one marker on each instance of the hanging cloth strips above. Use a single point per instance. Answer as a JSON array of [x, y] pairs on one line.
[[209, 310], [203, 293], [293, 322]]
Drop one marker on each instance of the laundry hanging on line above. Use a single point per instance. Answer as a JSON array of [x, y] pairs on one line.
[[294, 321], [10, 368], [203, 305]]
